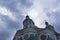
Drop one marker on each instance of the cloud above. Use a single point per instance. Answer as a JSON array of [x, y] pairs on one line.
[[45, 10], [7, 27], [11, 17], [39, 11], [26, 3], [6, 12], [12, 13]]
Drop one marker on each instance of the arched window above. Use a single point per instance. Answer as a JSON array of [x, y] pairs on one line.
[[32, 37], [26, 37], [43, 37], [20, 38]]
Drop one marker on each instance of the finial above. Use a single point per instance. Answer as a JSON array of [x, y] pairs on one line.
[[46, 22], [27, 17]]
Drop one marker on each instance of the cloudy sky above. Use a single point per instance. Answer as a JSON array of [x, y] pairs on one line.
[[13, 12]]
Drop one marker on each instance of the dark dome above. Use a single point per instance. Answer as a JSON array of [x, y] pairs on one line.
[[28, 19]]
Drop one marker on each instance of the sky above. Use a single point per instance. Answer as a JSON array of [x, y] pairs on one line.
[[13, 12]]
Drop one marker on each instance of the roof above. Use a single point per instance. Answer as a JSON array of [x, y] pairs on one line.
[[57, 34]]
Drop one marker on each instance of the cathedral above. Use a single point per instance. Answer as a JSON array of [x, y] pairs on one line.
[[31, 32]]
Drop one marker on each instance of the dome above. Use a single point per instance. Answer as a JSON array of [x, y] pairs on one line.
[[28, 23], [49, 26]]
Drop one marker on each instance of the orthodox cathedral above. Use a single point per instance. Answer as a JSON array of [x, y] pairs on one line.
[[32, 32]]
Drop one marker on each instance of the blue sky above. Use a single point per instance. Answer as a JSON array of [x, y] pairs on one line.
[[13, 12]]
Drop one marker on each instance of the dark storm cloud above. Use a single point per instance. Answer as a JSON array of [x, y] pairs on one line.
[[10, 25], [12, 4], [4, 35], [26, 3]]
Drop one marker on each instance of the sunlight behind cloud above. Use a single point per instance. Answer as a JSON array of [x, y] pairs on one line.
[[37, 14], [37, 18]]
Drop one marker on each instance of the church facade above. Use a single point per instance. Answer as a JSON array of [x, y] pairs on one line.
[[31, 32]]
